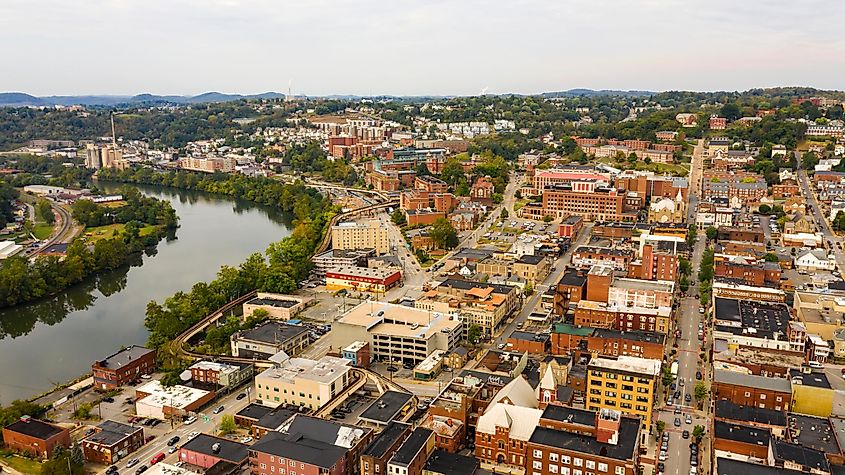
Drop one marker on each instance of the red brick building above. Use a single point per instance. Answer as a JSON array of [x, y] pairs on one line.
[[783, 191], [122, 367], [430, 184], [35, 437], [482, 191], [655, 265], [570, 289], [757, 274], [410, 458], [423, 217], [528, 342], [741, 439], [718, 123], [112, 441], [570, 227], [375, 456], [206, 450], [752, 390]]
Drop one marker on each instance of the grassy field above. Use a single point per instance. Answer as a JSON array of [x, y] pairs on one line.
[[95, 234], [21, 464], [671, 168], [42, 230]]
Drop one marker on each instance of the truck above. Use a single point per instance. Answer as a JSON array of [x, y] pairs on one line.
[[675, 369]]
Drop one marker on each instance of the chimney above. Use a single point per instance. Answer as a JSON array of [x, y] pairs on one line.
[[607, 426]]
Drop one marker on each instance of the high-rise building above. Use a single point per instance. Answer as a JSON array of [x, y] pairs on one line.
[[624, 383], [368, 235]]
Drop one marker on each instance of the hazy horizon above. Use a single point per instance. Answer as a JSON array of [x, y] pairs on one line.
[[415, 47]]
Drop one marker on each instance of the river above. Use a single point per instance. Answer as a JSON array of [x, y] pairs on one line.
[[55, 340]]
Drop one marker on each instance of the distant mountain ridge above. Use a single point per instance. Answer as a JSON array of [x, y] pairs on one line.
[[20, 99], [601, 92]]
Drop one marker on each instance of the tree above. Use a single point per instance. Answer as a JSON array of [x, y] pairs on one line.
[[667, 376], [398, 217], [548, 218], [839, 221], [692, 235], [452, 171], [227, 424], [711, 233], [684, 266], [764, 209], [684, 283], [698, 432], [504, 215], [660, 426], [700, 390], [772, 257], [64, 458], [45, 211], [529, 289], [730, 111], [443, 234], [474, 334]]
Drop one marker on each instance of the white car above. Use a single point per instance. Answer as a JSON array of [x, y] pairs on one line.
[[815, 364], [190, 420]]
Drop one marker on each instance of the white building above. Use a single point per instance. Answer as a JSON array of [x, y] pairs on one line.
[[9, 249], [303, 382], [159, 402], [815, 259]]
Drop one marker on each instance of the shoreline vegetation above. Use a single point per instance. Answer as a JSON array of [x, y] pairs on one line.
[[282, 265], [143, 223]]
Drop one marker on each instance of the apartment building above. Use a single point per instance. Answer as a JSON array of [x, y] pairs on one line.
[[752, 390], [411, 456], [207, 165], [375, 456], [112, 441], [303, 382], [361, 235], [122, 367], [625, 383], [595, 201], [269, 338], [363, 279]]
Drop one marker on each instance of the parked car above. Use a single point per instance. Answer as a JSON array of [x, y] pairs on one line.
[[685, 434], [815, 364], [190, 420], [218, 410], [241, 396], [172, 449], [687, 397], [173, 440], [688, 419], [698, 375], [141, 469], [157, 458], [131, 463], [677, 422]]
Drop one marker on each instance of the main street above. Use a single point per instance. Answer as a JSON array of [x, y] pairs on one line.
[[689, 320], [816, 213]]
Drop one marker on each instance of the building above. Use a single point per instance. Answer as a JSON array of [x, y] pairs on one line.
[[502, 434], [122, 367], [411, 456], [220, 375], [667, 210], [589, 256], [532, 268], [752, 390], [207, 165], [35, 437], [205, 451], [154, 401], [624, 383], [569, 441], [312, 445], [741, 439], [430, 184], [374, 458], [570, 227], [269, 338], [303, 382], [595, 201], [449, 433], [815, 260], [358, 353], [396, 332], [442, 462], [390, 406], [277, 306], [757, 324], [475, 303], [591, 313], [366, 235], [718, 123], [627, 293], [812, 393], [363, 279], [9, 249], [111, 442]]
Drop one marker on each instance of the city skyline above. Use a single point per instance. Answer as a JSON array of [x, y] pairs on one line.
[[416, 48]]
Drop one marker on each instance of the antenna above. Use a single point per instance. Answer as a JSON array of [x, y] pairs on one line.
[[289, 97], [484, 90]]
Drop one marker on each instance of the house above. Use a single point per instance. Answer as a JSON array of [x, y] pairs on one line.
[[815, 259], [375, 456], [411, 456], [798, 224], [38, 438]]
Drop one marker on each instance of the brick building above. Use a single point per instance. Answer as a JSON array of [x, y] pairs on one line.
[[752, 390], [122, 367], [741, 439], [112, 441], [35, 437], [411, 456], [375, 456]]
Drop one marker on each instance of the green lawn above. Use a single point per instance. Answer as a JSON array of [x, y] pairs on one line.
[[42, 230], [681, 169], [97, 233], [21, 464]]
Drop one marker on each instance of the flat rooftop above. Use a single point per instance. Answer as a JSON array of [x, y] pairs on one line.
[[230, 450], [111, 432], [752, 317], [629, 364], [570, 415], [752, 381], [411, 447], [808, 458], [637, 335], [272, 332], [279, 303], [813, 432], [736, 412], [35, 428], [386, 407], [637, 284], [816, 379], [629, 429], [324, 370], [386, 438], [397, 320], [725, 466], [173, 396], [742, 433], [441, 461], [254, 411]]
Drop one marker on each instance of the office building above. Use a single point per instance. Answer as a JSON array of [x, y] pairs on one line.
[[364, 235], [625, 383], [303, 382]]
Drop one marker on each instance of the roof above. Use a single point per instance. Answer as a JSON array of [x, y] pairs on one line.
[[636, 335], [529, 259], [570, 415], [629, 429], [391, 433], [275, 418], [810, 459], [520, 421], [735, 412], [302, 450], [272, 302], [411, 447], [631, 364], [813, 432], [398, 320], [272, 332], [124, 357], [361, 272], [519, 392], [573, 279], [386, 407], [254, 411], [111, 432], [521, 335], [35, 428], [230, 450], [752, 381], [470, 284], [742, 433], [816, 379], [325, 370], [725, 466], [572, 329], [444, 462]]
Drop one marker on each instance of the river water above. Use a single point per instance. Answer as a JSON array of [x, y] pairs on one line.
[[56, 339]]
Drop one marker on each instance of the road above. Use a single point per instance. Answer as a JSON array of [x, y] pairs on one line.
[[159, 444], [67, 230], [689, 347], [815, 211]]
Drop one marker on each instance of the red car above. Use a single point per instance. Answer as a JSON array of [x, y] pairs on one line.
[[158, 458]]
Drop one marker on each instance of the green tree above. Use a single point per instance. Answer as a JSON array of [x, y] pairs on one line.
[[398, 217], [504, 215], [660, 426], [684, 266], [684, 283], [700, 390], [227, 424], [529, 289], [474, 334], [667, 377], [453, 170], [45, 211], [772, 257], [692, 235], [443, 234], [711, 233], [730, 111], [698, 432], [764, 209], [65, 461], [548, 218]]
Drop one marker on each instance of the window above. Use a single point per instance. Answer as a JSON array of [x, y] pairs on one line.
[[538, 453], [762, 397], [564, 470], [538, 465], [578, 462], [552, 468], [553, 457], [747, 394], [620, 470], [590, 464], [602, 467], [565, 459]]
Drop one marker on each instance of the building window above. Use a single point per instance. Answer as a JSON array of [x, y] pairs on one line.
[[620, 470], [538, 454], [578, 462], [552, 468], [590, 464], [553, 457], [602, 467], [538, 465]]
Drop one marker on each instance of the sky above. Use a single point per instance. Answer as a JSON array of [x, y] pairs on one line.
[[417, 47]]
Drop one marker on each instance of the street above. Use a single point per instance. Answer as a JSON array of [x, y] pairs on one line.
[[815, 211]]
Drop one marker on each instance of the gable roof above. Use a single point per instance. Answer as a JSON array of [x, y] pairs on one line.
[[518, 393], [520, 421]]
